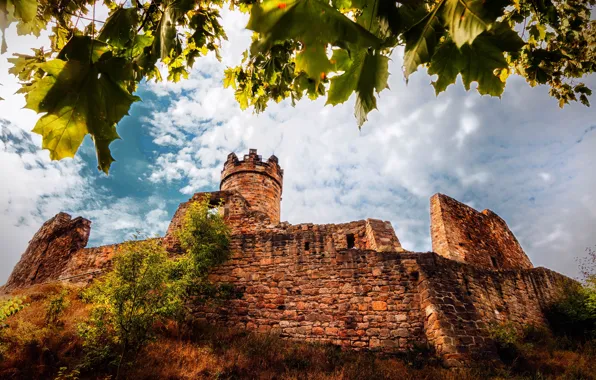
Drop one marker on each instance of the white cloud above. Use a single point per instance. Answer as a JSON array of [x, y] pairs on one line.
[[483, 151], [520, 156], [32, 189]]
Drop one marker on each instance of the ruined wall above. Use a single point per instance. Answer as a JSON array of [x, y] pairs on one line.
[[350, 284], [461, 301], [302, 282], [49, 251], [480, 238], [259, 182]]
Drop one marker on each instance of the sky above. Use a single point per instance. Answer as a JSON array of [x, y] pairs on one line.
[[521, 156]]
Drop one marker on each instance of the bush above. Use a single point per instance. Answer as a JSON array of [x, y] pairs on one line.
[[56, 307], [129, 300], [574, 313], [205, 238], [507, 337], [146, 287], [10, 307]]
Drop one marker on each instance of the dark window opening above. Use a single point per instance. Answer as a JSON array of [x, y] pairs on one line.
[[494, 261], [307, 246], [414, 276], [351, 240]]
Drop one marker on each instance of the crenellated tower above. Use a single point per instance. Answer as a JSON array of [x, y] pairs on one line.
[[259, 182]]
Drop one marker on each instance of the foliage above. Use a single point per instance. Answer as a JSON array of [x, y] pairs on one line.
[[205, 238], [10, 307], [146, 287], [65, 374], [84, 83], [129, 300], [574, 313], [56, 307], [504, 334]]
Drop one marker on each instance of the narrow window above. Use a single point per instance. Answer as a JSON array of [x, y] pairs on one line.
[[306, 246], [494, 261], [351, 240]]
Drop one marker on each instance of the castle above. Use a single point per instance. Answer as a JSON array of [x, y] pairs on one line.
[[349, 284]]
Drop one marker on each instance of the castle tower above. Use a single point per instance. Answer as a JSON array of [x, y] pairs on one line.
[[260, 183]]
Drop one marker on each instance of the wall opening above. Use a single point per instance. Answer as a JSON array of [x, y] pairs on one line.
[[306, 246], [494, 261], [351, 240]]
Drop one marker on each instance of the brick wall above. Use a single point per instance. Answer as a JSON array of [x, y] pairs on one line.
[[480, 238]]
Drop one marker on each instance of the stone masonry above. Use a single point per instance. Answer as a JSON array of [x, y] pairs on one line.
[[349, 284]]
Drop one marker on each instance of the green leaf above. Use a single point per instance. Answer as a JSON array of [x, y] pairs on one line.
[[120, 27], [421, 40], [166, 43], [365, 73], [466, 19], [80, 97], [314, 62], [308, 21], [480, 62], [83, 48], [25, 66], [25, 10], [447, 63], [34, 27]]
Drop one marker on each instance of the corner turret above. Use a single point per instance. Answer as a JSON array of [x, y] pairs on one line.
[[259, 182]]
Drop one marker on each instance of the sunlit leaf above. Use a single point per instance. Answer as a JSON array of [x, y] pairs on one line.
[[421, 40], [80, 97], [365, 73]]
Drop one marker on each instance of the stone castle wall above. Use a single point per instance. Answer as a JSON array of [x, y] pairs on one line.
[[349, 284], [463, 234]]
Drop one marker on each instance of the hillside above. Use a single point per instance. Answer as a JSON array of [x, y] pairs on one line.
[[41, 342]]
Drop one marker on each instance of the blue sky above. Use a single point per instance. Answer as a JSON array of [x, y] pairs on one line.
[[521, 156]]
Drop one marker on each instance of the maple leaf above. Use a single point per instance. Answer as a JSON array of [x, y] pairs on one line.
[[166, 42], [479, 62], [279, 20], [466, 19], [364, 73], [119, 29], [80, 97], [421, 40], [12, 10]]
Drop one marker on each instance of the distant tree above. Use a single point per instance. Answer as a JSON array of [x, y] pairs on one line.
[[84, 83]]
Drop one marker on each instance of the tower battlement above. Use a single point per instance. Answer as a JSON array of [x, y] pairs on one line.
[[259, 182]]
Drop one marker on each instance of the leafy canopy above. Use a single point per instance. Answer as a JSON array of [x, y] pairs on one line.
[[84, 84]]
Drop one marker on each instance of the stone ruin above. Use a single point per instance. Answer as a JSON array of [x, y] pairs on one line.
[[349, 284]]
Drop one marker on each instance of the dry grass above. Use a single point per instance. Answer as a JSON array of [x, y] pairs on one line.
[[33, 350]]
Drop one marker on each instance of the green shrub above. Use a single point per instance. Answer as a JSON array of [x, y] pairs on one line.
[[205, 238], [507, 338], [146, 287], [129, 300], [574, 313], [10, 307], [56, 307]]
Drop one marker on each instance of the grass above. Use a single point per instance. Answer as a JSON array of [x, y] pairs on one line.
[[32, 348]]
